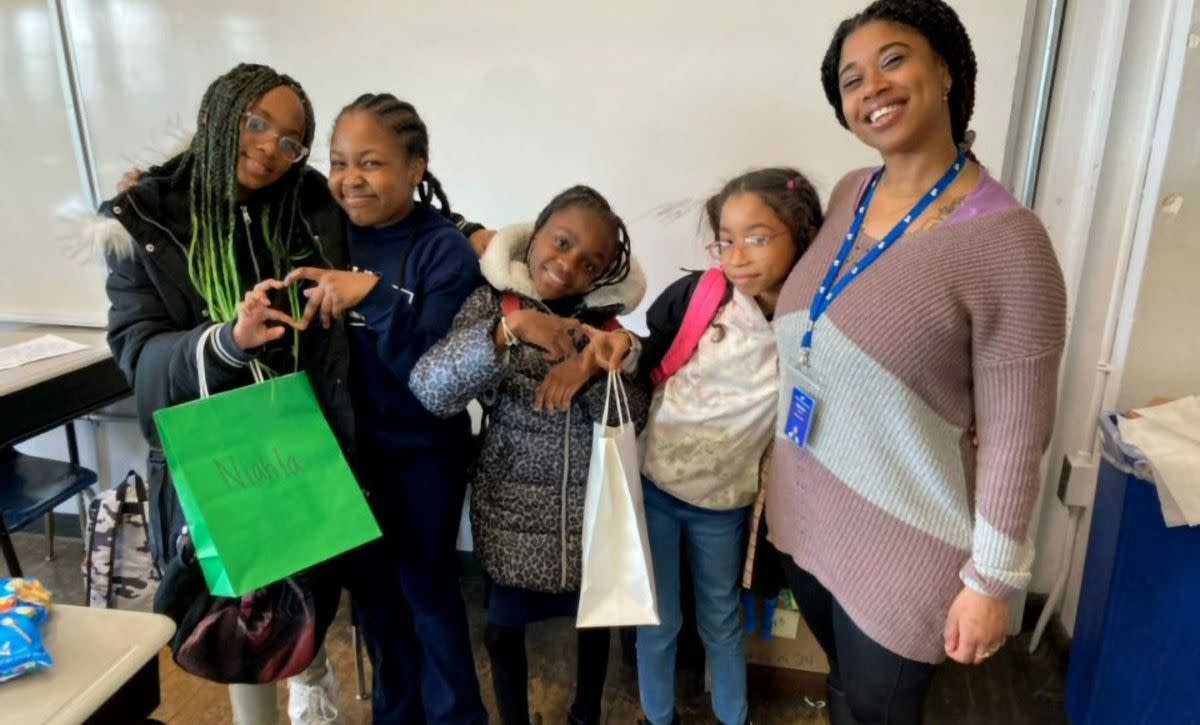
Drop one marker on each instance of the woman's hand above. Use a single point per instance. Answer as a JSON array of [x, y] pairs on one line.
[[254, 326], [975, 627], [335, 292]]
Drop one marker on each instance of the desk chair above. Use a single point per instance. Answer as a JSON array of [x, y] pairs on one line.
[[31, 487]]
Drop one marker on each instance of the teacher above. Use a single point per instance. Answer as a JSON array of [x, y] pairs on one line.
[[919, 341]]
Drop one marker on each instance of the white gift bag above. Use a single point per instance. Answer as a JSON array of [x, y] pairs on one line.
[[618, 577]]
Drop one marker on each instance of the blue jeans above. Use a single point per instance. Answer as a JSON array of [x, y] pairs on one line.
[[716, 547]]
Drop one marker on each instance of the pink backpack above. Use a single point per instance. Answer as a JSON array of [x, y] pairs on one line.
[[702, 309]]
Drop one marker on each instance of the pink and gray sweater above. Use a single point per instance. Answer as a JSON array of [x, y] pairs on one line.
[[955, 333]]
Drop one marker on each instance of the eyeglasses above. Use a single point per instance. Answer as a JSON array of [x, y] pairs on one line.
[[721, 247], [289, 148]]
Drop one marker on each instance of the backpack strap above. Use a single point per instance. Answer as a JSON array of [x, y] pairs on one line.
[[93, 515], [141, 506], [122, 490], [139, 486], [702, 309], [509, 303], [96, 509], [133, 499]]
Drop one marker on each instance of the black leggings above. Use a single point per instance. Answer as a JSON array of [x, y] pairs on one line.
[[868, 683], [510, 673]]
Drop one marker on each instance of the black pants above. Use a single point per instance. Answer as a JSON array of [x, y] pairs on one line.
[[510, 673], [867, 682], [406, 593]]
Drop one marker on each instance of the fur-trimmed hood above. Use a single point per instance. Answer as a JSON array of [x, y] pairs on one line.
[[155, 207], [107, 232], [504, 266], [108, 237]]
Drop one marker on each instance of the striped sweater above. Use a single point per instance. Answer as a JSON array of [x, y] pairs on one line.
[[952, 335]]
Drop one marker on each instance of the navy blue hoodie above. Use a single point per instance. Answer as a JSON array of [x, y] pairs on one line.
[[427, 269]]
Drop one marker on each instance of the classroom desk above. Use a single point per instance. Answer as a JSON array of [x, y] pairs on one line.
[[105, 669], [43, 395]]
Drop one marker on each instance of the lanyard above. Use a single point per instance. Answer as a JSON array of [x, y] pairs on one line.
[[832, 287]]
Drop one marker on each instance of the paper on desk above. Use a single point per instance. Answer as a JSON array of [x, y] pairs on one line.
[[39, 348], [1169, 436]]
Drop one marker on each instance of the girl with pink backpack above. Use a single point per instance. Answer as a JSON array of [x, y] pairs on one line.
[[712, 360]]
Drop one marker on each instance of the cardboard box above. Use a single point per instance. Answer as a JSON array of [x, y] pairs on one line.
[[791, 646], [789, 663]]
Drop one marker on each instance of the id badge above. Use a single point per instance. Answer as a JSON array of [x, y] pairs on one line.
[[798, 406]]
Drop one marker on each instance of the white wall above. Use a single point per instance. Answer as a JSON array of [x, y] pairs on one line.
[[1164, 349], [1091, 203], [1070, 225], [41, 192], [653, 103]]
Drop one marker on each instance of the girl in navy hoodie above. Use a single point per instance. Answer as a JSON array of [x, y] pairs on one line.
[[412, 270]]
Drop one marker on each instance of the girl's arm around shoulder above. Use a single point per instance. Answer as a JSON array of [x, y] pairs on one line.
[[465, 362]]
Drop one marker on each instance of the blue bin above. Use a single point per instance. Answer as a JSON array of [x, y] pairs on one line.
[[1135, 655]]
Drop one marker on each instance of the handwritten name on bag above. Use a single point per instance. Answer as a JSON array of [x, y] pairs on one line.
[[256, 472]]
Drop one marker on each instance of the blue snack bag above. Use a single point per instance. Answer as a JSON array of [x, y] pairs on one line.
[[23, 607]]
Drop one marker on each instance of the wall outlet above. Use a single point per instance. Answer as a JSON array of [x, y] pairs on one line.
[[1077, 482]]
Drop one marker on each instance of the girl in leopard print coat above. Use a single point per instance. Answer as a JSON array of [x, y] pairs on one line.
[[547, 283]]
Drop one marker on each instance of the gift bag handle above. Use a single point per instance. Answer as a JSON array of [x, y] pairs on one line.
[[202, 374], [624, 417]]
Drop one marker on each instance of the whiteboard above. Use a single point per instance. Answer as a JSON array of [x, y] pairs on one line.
[[46, 273], [653, 103]]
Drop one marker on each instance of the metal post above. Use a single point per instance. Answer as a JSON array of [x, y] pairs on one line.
[[69, 69], [1037, 135]]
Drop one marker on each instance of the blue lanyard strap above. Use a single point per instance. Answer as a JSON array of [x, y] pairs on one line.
[[832, 287]]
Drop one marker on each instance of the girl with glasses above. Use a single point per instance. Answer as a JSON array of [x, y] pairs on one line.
[[711, 420]]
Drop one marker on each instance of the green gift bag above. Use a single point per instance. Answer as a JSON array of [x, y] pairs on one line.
[[262, 481]]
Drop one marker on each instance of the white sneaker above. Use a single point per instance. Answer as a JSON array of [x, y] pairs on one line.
[[314, 704]]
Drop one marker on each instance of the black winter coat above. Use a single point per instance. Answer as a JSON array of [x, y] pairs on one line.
[[157, 316]]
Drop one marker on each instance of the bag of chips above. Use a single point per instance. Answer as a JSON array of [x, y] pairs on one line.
[[24, 604]]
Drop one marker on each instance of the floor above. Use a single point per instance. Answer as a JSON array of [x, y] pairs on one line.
[[1012, 687]]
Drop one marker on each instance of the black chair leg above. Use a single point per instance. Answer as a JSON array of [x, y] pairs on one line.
[[10, 553], [49, 536], [72, 444]]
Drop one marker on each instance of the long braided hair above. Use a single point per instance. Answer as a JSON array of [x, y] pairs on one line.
[[401, 118], [211, 164], [589, 198]]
